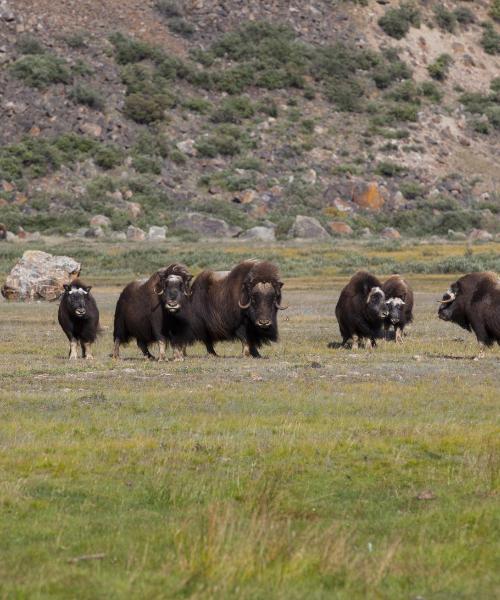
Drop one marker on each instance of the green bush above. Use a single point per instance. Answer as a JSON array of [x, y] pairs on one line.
[[27, 44], [213, 145], [180, 26], [76, 40], [387, 73], [347, 95], [430, 90], [108, 156], [248, 163], [145, 109], [389, 169], [129, 50], [490, 39], [464, 16], [445, 19], [396, 22], [41, 70], [411, 189], [233, 80], [233, 110], [495, 10], [168, 8], [83, 94], [481, 127], [199, 105], [268, 107], [439, 68], [147, 164]]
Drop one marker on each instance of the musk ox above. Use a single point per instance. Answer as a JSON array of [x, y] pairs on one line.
[[240, 304], [399, 301], [144, 309], [79, 318], [473, 303], [361, 310]]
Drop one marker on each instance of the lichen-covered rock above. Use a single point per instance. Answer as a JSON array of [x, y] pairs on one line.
[[157, 233], [308, 228], [135, 234], [390, 233], [38, 275], [368, 196], [265, 234], [206, 226], [340, 228], [480, 235]]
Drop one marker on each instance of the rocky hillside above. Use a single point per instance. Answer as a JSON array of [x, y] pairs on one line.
[[363, 115]]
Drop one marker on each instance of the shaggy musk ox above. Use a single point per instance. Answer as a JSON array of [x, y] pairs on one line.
[[79, 318], [399, 301], [473, 302], [144, 309], [240, 304], [361, 310]]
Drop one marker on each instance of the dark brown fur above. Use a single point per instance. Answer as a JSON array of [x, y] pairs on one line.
[[142, 310], [214, 314], [359, 314], [475, 306], [79, 328], [399, 315]]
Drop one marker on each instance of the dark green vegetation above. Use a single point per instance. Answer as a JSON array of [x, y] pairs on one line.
[[313, 473], [440, 67], [490, 39], [396, 22]]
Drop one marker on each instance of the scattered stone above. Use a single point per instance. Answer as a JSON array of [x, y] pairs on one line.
[[342, 205], [368, 196], [340, 228], [390, 233], [480, 235], [135, 234], [100, 221], [398, 200], [308, 228], [38, 275], [134, 209], [188, 147], [310, 176], [456, 235], [119, 236], [365, 232], [10, 237], [94, 232], [206, 226], [265, 234], [157, 233], [426, 495], [247, 197], [92, 129]]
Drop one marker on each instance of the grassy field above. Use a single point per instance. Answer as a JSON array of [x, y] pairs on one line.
[[313, 473]]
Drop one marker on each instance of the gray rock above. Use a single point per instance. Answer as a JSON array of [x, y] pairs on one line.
[[10, 237], [206, 226], [94, 232], [100, 221], [390, 233], [157, 233], [365, 232], [38, 275], [119, 236], [265, 234], [480, 235], [456, 235], [135, 234], [188, 147], [308, 228]]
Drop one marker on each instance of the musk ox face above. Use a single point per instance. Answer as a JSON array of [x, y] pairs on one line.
[[261, 302], [174, 290], [376, 303], [447, 306], [395, 308], [76, 299]]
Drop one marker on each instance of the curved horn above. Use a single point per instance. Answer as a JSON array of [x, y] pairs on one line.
[[158, 292], [244, 306], [279, 307]]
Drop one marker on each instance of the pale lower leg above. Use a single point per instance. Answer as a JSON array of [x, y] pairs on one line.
[[73, 349]]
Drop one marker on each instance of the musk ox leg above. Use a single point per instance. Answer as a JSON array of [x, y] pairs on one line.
[[145, 350], [355, 342], [179, 353], [254, 353], [399, 335], [87, 350], [73, 349], [210, 348], [163, 345], [481, 351], [245, 351], [116, 349]]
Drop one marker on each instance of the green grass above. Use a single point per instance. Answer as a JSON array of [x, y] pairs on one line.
[[297, 476]]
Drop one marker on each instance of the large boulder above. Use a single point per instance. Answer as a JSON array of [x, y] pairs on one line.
[[390, 233], [100, 221], [135, 234], [38, 275], [308, 228], [368, 196], [157, 233], [264, 234], [480, 235], [206, 226], [340, 228]]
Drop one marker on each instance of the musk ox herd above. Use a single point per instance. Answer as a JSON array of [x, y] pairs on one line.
[[172, 308]]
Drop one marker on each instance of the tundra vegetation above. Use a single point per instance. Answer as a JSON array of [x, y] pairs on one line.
[[310, 473]]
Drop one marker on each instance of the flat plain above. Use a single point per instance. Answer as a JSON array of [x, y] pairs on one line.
[[312, 473]]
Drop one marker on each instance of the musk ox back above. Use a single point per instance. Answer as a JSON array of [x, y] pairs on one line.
[[241, 304], [399, 302], [144, 309], [78, 316], [473, 303], [361, 309]]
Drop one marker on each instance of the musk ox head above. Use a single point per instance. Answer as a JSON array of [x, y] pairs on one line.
[[447, 305], [395, 308], [172, 285], [261, 300], [375, 303], [75, 297]]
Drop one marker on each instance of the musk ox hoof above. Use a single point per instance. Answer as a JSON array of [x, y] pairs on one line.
[[89, 357]]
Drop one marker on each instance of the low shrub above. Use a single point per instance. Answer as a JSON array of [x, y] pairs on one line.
[[129, 50], [430, 90], [145, 109], [389, 169], [439, 68], [27, 44], [199, 105], [464, 16], [396, 22], [445, 19], [83, 94], [180, 26], [490, 39], [494, 11], [108, 156], [76, 40], [168, 8], [411, 189], [41, 70], [233, 110]]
